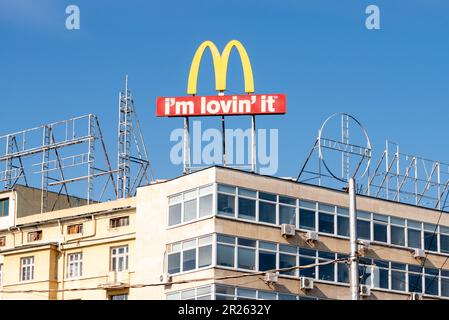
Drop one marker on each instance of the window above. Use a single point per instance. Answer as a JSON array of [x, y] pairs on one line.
[[381, 274], [380, 225], [343, 222], [189, 259], [431, 281], [307, 215], [307, 257], [4, 207], [363, 225], [3, 241], [204, 251], [226, 201], [246, 254], [414, 234], [119, 258], [34, 236], [326, 272], [1, 274], [119, 222], [397, 231], [365, 271], [75, 265], [247, 204], [267, 212], [444, 239], [75, 229], [287, 210], [27, 269], [398, 276], [287, 259], [326, 218], [190, 209], [415, 278], [430, 237], [267, 256], [174, 214], [118, 297], [445, 283], [343, 269], [174, 263], [205, 203], [225, 250]]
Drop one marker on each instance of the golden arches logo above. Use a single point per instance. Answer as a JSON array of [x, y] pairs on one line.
[[220, 62]]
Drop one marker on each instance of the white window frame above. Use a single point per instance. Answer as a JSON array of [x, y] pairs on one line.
[[75, 264], [117, 256], [27, 265]]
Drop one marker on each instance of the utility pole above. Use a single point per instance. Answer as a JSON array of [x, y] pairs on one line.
[[354, 259]]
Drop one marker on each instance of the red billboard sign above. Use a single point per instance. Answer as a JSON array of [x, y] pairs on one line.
[[249, 104]]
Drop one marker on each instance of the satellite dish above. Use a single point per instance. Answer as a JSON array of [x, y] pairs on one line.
[[343, 141]]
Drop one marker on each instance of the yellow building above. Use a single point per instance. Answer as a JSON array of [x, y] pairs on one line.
[[215, 234]]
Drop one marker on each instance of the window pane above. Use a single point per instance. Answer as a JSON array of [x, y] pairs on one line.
[[225, 255], [225, 205], [190, 210], [189, 260], [247, 258], [263, 295], [343, 272], [380, 232], [308, 272], [227, 189], [397, 280], [287, 261], [444, 243], [432, 284], [414, 238], [247, 193], [430, 241], [204, 256], [267, 212], [307, 219], [343, 226], [397, 235], [381, 278], [206, 205], [326, 222], [287, 215], [174, 214], [414, 282], [267, 196], [326, 272], [287, 200], [247, 209], [174, 265], [445, 287], [363, 229], [246, 242], [267, 260]]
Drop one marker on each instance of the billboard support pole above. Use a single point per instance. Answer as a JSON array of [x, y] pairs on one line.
[[253, 141], [186, 147], [354, 260]]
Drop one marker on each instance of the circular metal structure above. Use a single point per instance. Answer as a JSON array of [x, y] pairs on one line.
[[345, 147]]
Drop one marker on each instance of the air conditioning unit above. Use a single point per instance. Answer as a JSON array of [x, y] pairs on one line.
[[311, 236], [419, 254], [363, 247], [271, 277], [365, 291], [305, 283], [287, 230], [166, 278], [416, 296]]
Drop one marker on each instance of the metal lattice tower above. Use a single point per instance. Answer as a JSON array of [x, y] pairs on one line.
[[132, 153]]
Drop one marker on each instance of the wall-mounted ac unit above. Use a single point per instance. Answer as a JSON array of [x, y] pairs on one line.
[[365, 291], [311, 236], [287, 230], [419, 254], [305, 283], [271, 277], [166, 278]]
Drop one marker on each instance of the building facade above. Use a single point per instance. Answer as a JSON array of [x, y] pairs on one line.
[[217, 234]]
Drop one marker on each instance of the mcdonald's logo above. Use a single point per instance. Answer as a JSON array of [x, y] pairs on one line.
[[220, 62], [248, 104]]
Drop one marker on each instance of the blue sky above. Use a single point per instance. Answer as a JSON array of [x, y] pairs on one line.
[[319, 53]]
